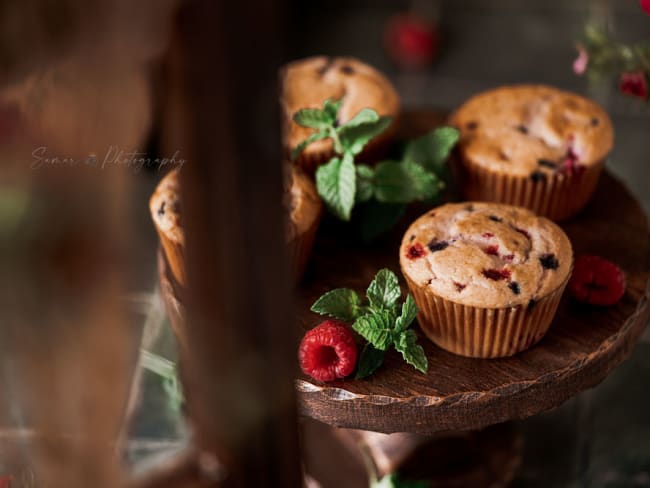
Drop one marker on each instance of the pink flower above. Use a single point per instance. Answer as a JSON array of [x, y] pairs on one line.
[[634, 83], [581, 62], [645, 5]]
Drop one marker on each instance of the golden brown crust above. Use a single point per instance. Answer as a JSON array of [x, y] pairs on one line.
[[522, 129], [307, 83], [486, 255]]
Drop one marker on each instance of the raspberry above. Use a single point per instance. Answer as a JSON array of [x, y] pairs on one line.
[[597, 281], [497, 274], [328, 351], [415, 251]]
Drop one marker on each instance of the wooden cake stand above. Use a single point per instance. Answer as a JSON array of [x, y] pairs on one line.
[[583, 345]]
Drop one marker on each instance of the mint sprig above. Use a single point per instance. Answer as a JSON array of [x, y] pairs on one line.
[[418, 176], [382, 322]]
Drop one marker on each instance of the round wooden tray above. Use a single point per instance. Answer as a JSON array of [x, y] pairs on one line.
[[583, 345]]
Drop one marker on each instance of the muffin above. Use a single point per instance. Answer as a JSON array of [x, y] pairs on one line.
[[532, 146], [307, 83], [487, 278], [303, 206]]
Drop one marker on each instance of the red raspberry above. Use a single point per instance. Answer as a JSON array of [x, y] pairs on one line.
[[328, 351], [597, 281]]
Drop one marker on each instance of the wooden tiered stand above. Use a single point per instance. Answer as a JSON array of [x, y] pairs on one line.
[[458, 394]]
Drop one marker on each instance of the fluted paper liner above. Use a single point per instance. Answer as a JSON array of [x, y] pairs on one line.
[[484, 332], [558, 196], [300, 248], [175, 256]]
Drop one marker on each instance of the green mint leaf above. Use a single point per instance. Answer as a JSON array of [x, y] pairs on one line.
[[314, 118], [409, 312], [355, 137], [384, 291], [404, 182], [331, 108], [376, 328], [377, 218], [412, 352], [371, 358], [295, 152], [432, 149], [342, 303], [364, 116], [365, 176], [336, 185]]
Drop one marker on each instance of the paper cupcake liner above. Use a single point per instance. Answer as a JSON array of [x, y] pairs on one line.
[[484, 332], [300, 248], [175, 256], [559, 196]]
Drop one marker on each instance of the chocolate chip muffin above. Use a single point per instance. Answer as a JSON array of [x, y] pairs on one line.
[[487, 278], [307, 83], [533, 146], [303, 205]]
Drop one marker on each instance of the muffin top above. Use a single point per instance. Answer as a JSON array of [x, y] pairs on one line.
[[486, 255], [302, 202], [307, 83], [524, 129], [165, 208]]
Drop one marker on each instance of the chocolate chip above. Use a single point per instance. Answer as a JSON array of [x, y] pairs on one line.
[[459, 286], [514, 286], [471, 125], [537, 176], [161, 210], [549, 261], [547, 163], [347, 69], [412, 237], [523, 129], [532, 303], [435, 245], [429, 281], [494, 218]]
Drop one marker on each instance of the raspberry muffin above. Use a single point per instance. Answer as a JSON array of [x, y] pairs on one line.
[[532, 146], [307, 83], [302, 203], [487, 278]]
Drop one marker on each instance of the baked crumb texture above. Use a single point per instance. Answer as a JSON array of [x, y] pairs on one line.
[[487, 278], [307, 83], [532, 146]]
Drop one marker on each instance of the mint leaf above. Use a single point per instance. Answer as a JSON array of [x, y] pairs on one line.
[[376, 328], [404, 182], [412, 352], [295, 152], [342, 303], [432, 150], [409, 312], [371, 358], [331, 108], [314, 118], [355, 137], [384, 291], [336, 185], [364, 116], [365, 175], [377, 218]]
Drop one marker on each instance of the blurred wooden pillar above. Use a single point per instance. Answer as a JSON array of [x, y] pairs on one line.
[[223, 117]]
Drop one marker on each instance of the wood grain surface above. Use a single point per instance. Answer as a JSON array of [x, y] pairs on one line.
[[582, 346]]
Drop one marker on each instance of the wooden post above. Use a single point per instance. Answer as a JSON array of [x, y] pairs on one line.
[[241, 332]]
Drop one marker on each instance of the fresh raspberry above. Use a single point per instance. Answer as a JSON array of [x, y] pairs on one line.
[[415, 251], [597, 281], [328, 351]]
